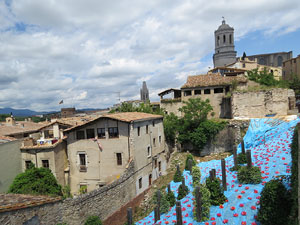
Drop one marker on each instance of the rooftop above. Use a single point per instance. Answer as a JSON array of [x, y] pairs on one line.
[[124, 117], [19, 128], [9, 202], [214, 79]]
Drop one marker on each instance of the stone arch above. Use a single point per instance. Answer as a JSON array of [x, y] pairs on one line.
[[218, 40], [230, 39], [224, 38]]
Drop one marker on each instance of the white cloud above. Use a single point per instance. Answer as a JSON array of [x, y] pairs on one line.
[[85, 52]]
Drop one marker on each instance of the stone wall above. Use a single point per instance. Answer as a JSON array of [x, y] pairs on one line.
[[226, 139], [10, 163], [102, 202], [260, 103]]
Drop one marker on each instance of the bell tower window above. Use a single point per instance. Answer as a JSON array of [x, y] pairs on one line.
[[230, 39], [224, 38]]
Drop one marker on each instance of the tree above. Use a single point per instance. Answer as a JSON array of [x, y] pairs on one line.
[[170, 127], [196, 174], [189, 157], [274, 204], [194, 127], [39, 181]]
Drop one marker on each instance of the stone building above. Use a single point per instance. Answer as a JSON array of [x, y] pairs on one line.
[[170, 101], [272, 59], [224, 45], [291, 67], [100, 150], [213, 87], [144, 92], [244, 63], [67, 112], [47, 149]]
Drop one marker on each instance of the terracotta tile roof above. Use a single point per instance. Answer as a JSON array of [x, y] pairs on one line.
[[124, 116], [9, 202], [4, 139], [19, 128], [208, 80]]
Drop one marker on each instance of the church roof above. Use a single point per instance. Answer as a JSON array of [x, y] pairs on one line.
[[209, 80]]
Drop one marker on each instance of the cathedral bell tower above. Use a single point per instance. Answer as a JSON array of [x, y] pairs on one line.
[[224, 45]]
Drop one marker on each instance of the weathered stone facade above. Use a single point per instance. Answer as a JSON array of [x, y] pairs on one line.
[[226, 139], [261, 103]]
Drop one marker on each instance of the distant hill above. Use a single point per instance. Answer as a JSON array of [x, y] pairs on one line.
[[21, 112]]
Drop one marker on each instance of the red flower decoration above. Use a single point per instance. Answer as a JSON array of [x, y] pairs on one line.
[[239, 196], [249, 198], [213, 218], [235, 215], [219, 215], [243, 192], [213, 223], [225, 221], [232, 208], [241, 205], [221, 206], [244, 213], [244, 223], [247, 188]]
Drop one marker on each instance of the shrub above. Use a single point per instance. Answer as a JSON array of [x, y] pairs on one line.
[[182, 192], [189, 156], [217, 196], [274, 204], [39, 181], [241, 158], [171, 198], [205, 199], [93, 220], [164, 204], [196, 174], [66, 190], [249, 176], [235, 168], [178, 175]]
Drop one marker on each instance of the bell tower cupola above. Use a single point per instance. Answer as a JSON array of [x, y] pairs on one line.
[[224, 45]]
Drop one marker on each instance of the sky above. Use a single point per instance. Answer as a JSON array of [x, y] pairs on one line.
[[88, 53]]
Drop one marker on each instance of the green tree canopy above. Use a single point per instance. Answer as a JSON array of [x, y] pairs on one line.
[[37, 181]]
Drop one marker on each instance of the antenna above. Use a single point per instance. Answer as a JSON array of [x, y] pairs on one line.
[[119, 96]]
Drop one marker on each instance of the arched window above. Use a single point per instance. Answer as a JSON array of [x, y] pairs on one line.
[[224, 38], [230, 39], [279, 61], [218, 41]]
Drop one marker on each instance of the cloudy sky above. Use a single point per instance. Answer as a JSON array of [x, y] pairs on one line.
[[86, 52]]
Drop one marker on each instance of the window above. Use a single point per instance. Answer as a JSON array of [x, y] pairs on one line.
[[197, 92], [147, 127], [155, 163], [90, 133], [82, 162], [244, 65], [101, 132], [139, 131], [218, 90], [153, 123], [154, 142], [150, 179], [224, 38], [159, 139], [45, 163], [27, 164], [230, 39], [187, 93], [113, 132], [206, 91], [149, 151], [159, 166], [140, 183], [80, 134], [119, 159], [83, 188], [218, 41]]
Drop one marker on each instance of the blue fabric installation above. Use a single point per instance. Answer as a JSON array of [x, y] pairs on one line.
[[269, 140]]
